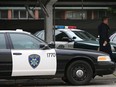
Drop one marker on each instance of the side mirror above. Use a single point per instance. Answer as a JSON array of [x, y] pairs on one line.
[[67, 39], [70, 40], [51, 45], [42, 45], [74, 38]]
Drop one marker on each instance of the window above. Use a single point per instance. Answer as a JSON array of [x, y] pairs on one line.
[[84, 35], [41, 14], [102, 13], [29, 15], [22, 41], [61, 36], [16, 13], [23, 14], [76, 14], [2, 42], [4, 14]]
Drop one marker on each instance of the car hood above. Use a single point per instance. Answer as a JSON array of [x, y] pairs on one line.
[[93, 43], [89, 42], [78, 51]]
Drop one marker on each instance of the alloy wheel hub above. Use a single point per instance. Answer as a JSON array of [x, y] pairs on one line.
[[79, 73]]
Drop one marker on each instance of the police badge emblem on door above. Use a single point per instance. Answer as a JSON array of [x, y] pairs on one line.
[[34, 60]]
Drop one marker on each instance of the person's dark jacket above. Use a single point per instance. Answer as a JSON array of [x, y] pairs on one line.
[[103, 33]]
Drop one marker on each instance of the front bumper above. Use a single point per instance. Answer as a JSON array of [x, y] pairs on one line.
[[105, 68]]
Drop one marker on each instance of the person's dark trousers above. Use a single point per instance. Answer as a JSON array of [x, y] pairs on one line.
[[107, 49]]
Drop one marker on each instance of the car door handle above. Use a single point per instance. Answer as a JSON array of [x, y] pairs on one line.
[[17, 53]]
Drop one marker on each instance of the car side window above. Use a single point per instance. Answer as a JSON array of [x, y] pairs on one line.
[[114, 39], [61, 36], [23, 41], [2, 42]]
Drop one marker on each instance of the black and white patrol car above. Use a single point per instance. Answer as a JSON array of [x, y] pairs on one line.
[[23, 55]]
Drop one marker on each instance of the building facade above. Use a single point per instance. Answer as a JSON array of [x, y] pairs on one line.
[[78, 13], [87, 18]]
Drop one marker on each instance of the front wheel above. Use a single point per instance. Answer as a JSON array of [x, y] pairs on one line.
[[79, 73], [65, 79]]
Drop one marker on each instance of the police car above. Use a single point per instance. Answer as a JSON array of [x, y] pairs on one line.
[[68, 36], [113, 38], [23, 55], [71, 37]]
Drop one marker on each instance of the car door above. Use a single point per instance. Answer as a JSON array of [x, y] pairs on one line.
[[5, 57], [62, 40], [28, 59]]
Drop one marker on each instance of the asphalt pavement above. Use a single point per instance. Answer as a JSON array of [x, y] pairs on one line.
[[105, 81]]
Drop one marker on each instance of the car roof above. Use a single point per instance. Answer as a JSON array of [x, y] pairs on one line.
[[62, 30], [70, 29], [14, 31]]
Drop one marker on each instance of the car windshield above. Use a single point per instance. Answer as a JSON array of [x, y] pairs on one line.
[[84, 35]]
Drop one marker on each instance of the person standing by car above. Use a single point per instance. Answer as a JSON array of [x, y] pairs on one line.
[[104, 41]]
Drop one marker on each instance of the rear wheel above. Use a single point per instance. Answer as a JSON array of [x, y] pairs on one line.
[[79, 73]]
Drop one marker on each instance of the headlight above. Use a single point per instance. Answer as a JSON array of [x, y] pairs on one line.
[[103, 58]]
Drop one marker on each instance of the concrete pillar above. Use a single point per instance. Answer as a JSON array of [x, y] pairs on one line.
[[49, 21], [92, 15], [36, 14], [9, 14]]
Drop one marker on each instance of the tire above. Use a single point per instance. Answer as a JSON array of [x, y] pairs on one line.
[[94, 76], [79, 73], [65, 79]]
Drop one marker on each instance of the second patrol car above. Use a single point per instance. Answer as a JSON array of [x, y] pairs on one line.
[[23, 55], [71, 37]]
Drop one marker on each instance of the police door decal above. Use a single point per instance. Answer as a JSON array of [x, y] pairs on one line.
[[34, 62]]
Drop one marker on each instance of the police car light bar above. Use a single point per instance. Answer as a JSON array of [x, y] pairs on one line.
[[60, 27], [72, 27], [65, 27]]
